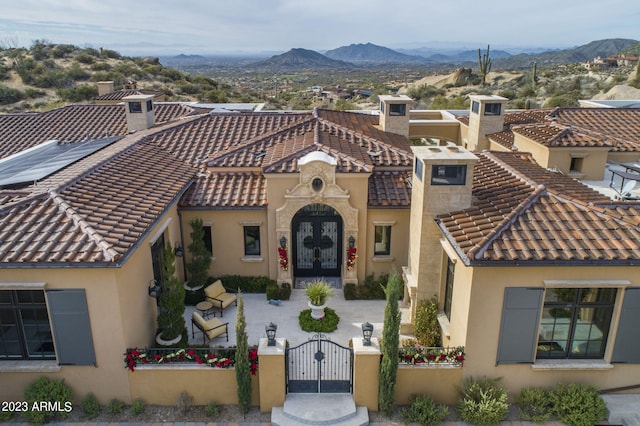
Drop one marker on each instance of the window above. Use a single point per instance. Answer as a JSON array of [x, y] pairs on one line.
[[25, 332], [492, 109], [157, 249], [251, 240], [418, 169], [135, 107], [448, 174], [575, 322], [149, 105], [382, 240], [207, 238], [475, 107], [448, 291], [576, 164], [398, 109]]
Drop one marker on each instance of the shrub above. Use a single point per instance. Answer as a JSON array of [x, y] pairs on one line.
[[247, 284], [424, 411], [282, 292], [137, 407], [327, 324], [243, 366], [200, 262], [577, 405], [171, 302], [535, 404], [5, 416], [350, 291], [483, 401], [47, 390], [212, 409], [318, 292], [90, 406], [427, 328], [115, 406]]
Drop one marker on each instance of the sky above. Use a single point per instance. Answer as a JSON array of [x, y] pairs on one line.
[[158, 27]]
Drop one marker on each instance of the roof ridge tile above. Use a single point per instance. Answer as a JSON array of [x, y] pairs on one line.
[[109, 252]]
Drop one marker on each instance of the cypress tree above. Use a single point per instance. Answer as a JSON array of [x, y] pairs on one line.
[[198, 267], [171, 301], [389, 347], [243, 366]]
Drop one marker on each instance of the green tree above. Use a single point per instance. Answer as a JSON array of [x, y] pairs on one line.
[[198, 266], [243, 366], [390, 343], [171, 302]]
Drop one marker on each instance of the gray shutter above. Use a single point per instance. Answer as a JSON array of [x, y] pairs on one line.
[[519, 326], [71, 327], [627, 347]]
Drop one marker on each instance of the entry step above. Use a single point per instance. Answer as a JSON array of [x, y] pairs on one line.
[[319, 409]]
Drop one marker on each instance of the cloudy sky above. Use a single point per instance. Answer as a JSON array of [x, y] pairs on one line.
[[209, 26]]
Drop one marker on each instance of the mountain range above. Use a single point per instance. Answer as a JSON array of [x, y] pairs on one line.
[[368, 54]]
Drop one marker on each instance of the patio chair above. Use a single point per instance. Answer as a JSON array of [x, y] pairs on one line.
[[221, 297], [211, 328]]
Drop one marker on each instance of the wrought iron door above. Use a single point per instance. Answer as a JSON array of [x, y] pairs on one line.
[[317, 231], [319, 366]]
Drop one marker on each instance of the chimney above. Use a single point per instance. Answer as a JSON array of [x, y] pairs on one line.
[[105, 87], [485, 117], [139, 111], [442, 182], [394, 114]]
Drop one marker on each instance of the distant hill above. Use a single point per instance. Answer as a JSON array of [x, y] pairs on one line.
[[299, 59], [372, 54], [578, 54]]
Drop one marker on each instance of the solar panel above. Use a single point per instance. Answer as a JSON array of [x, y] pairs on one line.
[[37, 163]]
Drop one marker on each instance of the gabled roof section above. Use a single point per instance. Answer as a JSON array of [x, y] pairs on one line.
[[390, 189], [226, 191], [523, 213], [119, 94], [554, 135]]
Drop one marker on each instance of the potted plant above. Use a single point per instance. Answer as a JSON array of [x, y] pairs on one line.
[[318, 291], [171, 325], [198, 265]]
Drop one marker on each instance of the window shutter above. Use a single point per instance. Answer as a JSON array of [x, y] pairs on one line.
[[519, 326], [627, 346], [71, 327]]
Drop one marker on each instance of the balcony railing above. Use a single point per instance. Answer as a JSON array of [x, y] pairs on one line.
[[218, 357]]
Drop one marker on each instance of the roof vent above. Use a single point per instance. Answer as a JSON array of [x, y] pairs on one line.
[[434, 149], [453, 148], [373, 153]]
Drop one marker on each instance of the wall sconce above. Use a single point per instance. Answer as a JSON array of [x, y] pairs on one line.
[[367, 331], [283, 242], [270, 329], [154, 289], [352, 241], [178, 250]]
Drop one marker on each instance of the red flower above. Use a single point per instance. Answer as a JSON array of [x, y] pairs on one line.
[[157, 357], [198, 359], [442, 357], [135, 353], [432, 357], [191, 352]]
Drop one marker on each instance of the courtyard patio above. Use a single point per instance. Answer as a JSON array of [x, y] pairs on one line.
[[259, 312]]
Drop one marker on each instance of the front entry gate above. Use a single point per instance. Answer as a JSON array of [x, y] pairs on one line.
[[319, 366]]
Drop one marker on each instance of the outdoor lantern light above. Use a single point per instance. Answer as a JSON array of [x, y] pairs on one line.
[[178, 251], [352, 241], [283, 241], [367, 331], [271, 333], [154, 289]]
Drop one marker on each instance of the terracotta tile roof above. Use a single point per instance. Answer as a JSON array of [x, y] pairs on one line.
[[119, 94], [226, 190], [622, 123], [552, 135], [71, 124], [524, 213], [100, 216], [390, 189]]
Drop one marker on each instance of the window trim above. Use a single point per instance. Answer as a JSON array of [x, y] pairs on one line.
[[387, 251], [244, 243]]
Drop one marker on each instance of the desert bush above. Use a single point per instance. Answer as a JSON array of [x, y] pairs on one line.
[[90, 406], [50, 391], [424, 411], [577, 405], [535, 404], [212, 409], [115, 406], [137, 407], [483, 401], [184, 402]]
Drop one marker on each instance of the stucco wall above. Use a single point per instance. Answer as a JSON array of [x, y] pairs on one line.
[[484, 319], [439, 382]]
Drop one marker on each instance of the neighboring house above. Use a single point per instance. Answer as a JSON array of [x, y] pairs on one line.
[[532, 270]]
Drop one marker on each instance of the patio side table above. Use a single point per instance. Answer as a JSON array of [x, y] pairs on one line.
[[206, 308]]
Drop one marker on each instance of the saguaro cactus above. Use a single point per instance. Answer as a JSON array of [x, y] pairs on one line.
[[484, 62]]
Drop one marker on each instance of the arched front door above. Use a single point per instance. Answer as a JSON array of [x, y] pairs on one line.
[[317, 241]]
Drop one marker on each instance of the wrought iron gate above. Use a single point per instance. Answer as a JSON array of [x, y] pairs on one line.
[[319, 366]]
